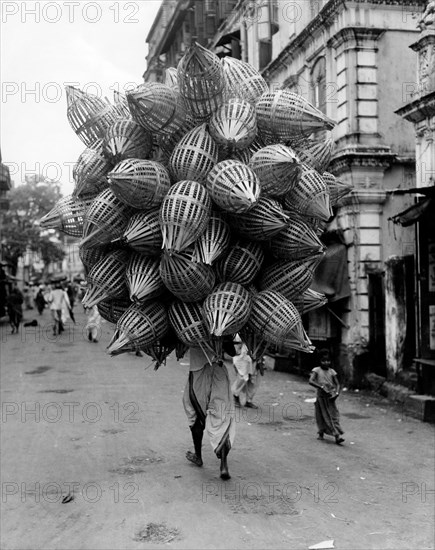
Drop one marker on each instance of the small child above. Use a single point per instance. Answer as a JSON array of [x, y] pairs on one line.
[[324, 378], [93, 326], [246, 383]]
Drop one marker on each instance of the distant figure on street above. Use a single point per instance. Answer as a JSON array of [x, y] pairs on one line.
[[247, 381], [14, 304], [324, 378], [93, 325], [40, 300], [71, 291], [207, 401], [57, 300]]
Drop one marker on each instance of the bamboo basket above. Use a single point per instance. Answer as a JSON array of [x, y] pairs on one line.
[[241, 264], [126, 139], [316, 154], [194, 156], [139, 327], [297, 340], [256, 345], [234, 125], [90, 171], [309, 301], [227, 309], [111, 309], [278, 169], [167, 143], [171, 78], [141, 184], [297, 241], [242, 80], [337, 189], [107, 278], [184, 214], [143, 233], [105, 219], [143, 278], [189, 281], [120, 101], [233, 186], [90, 255], [66, 216], [201, 82], [284, 115], [310, 195], [245, 155], [214, 241], [263, 221], [162, 348]]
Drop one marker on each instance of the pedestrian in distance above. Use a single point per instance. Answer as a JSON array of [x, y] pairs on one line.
[[57, 300], [14, 303], [40, 300], [247, 381], [325, 379], [93, 325]]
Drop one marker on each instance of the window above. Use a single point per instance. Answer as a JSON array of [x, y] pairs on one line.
[[318, 84]]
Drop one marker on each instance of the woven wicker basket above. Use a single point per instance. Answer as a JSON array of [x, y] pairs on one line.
[[127, 139], [139, 327], [167, 143], [121, 103], [309, 300], [162, 348], [256, 345], [141, 184], [310, 195], [201, 81], [90, 171], [227, 309], [284, 115], [90, 255], [105, 219], [143, 233], [297, 241], [214, 241], [290, 278], [194, 156], [337, 189], [297, 340], [262, 222], [316, 154], [241, 264], [184, 214], [171, 78], [107, 278], [242, 80], [234, 125], [111, 309], [189, 281], [233, 186], [143, 278], [66, 216]]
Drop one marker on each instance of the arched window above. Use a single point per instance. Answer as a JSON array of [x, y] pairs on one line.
[[318, 84]]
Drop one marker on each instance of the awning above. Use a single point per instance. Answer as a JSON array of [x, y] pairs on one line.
[[331, 276], [412, 214], [227, 38]]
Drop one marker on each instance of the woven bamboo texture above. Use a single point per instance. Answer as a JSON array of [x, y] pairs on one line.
[[277, 168], [120, 101], [309, 301], [171, 78], [90, 171], [201, 81], [284, 115], [141, 184], [107, 278], [105, 219], [245, 155], [233, 186], [167, 143], [242, 80], [297, 340], [88, 115], [316, 154], [189, 281], [290, 278], [162, 348], [194, 156], [90, 255], [227, 309], [241, 264], [139, 327], [143, 233], [214, 241], [262, 222], [297, 241], [66, 216], [234, 125], [111, 309], [337, 189], [310, 195], [127, 139], [256, 345], [143, 278], [184, 214]]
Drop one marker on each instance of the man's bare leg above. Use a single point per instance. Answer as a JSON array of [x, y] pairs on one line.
[[225, 474], [197, 434]]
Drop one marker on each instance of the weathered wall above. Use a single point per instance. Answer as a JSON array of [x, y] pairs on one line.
[[395, 314]]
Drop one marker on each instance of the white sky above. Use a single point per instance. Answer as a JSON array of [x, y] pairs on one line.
[[97, 46]]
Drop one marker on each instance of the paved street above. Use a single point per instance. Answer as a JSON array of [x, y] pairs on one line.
[[93, 457]]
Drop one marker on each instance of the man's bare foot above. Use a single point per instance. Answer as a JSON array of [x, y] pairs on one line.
[[193, 458], [225, 474]]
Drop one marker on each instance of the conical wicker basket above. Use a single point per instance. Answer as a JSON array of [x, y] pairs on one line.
[[162, 348], [284, 115], [316, 154], [143, 278], [241, 264], [309, 300], [141, 184], [227, 309], [189, 281], [171, 78], [245, 155], [111, 309], [120, 101], [107, 278], [105, 219], [143, 233], [90, 255], [242, 80], [90, 171], [337, 189], [194, 156], [297, 340], [167, 143], [310, 195], [234, 125], [127, 139], [214, 241], [297, 241], [262, 222], [256, 345], [233, 186], [184, 214], [66, 216], [139, 327], [201, 81]]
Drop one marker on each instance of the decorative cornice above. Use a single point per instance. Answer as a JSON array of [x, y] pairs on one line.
[[356, 37], [419, 109], [427, 37], [345, 159], [364, 196]]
